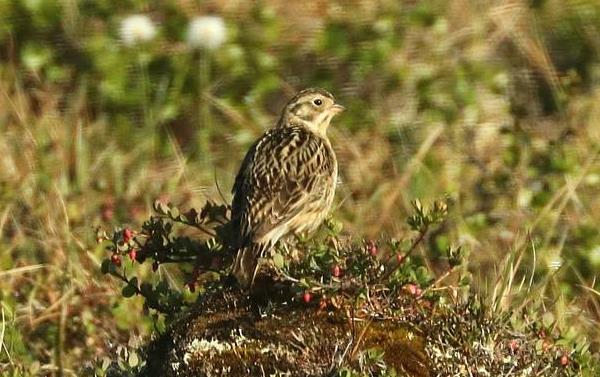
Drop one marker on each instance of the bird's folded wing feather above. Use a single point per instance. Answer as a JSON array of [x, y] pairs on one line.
[[284, 171]]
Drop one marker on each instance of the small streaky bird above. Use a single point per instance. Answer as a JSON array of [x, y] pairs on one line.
[[286, 182]]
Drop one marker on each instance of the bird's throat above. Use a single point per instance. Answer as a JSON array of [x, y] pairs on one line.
[[318, 125]]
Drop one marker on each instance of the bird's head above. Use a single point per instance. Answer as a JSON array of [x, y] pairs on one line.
[[312, 108]]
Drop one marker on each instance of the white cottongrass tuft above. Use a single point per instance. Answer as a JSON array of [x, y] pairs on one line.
[[137, 28], [208, 32], [555, 263]]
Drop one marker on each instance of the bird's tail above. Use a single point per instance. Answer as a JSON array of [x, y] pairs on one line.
[[246, 263]]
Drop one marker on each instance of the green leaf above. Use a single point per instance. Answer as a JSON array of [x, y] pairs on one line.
[[303, 283], [121, 364], [128, 290], [278, 260], [133, 359], [162, 287], [146, 289], [105, 363], [160, 324], [106, 266]]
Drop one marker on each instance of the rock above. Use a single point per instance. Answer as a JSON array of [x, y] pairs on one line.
[[227, 335]]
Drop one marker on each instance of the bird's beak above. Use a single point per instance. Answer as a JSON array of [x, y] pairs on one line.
[[337, 108]]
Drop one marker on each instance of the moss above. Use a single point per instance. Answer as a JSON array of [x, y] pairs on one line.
[[402, 346], [228, 335]]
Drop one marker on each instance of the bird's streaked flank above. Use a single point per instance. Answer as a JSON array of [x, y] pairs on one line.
[[286, 182]]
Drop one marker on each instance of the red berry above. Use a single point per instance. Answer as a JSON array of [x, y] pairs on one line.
[[400, 258], [133, 255], [546, 345], [127, 234], [116, 260], [323, 304], [336, 271], [514, 345], [412, 289], [155, 266], [195, 272], [564, 360], [372, 248], [307, 297]]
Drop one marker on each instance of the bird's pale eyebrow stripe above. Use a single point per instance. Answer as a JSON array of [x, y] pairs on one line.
[[296, 107]]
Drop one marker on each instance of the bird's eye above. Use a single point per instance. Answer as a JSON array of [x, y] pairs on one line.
[[318, 102]]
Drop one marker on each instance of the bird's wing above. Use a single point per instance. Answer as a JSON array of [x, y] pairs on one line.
[[285, 170]]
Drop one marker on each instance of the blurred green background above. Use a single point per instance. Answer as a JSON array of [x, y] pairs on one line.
[[106, 106]]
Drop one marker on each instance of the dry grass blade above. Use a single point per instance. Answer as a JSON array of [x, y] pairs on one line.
[[22, 270], [3, 346]]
